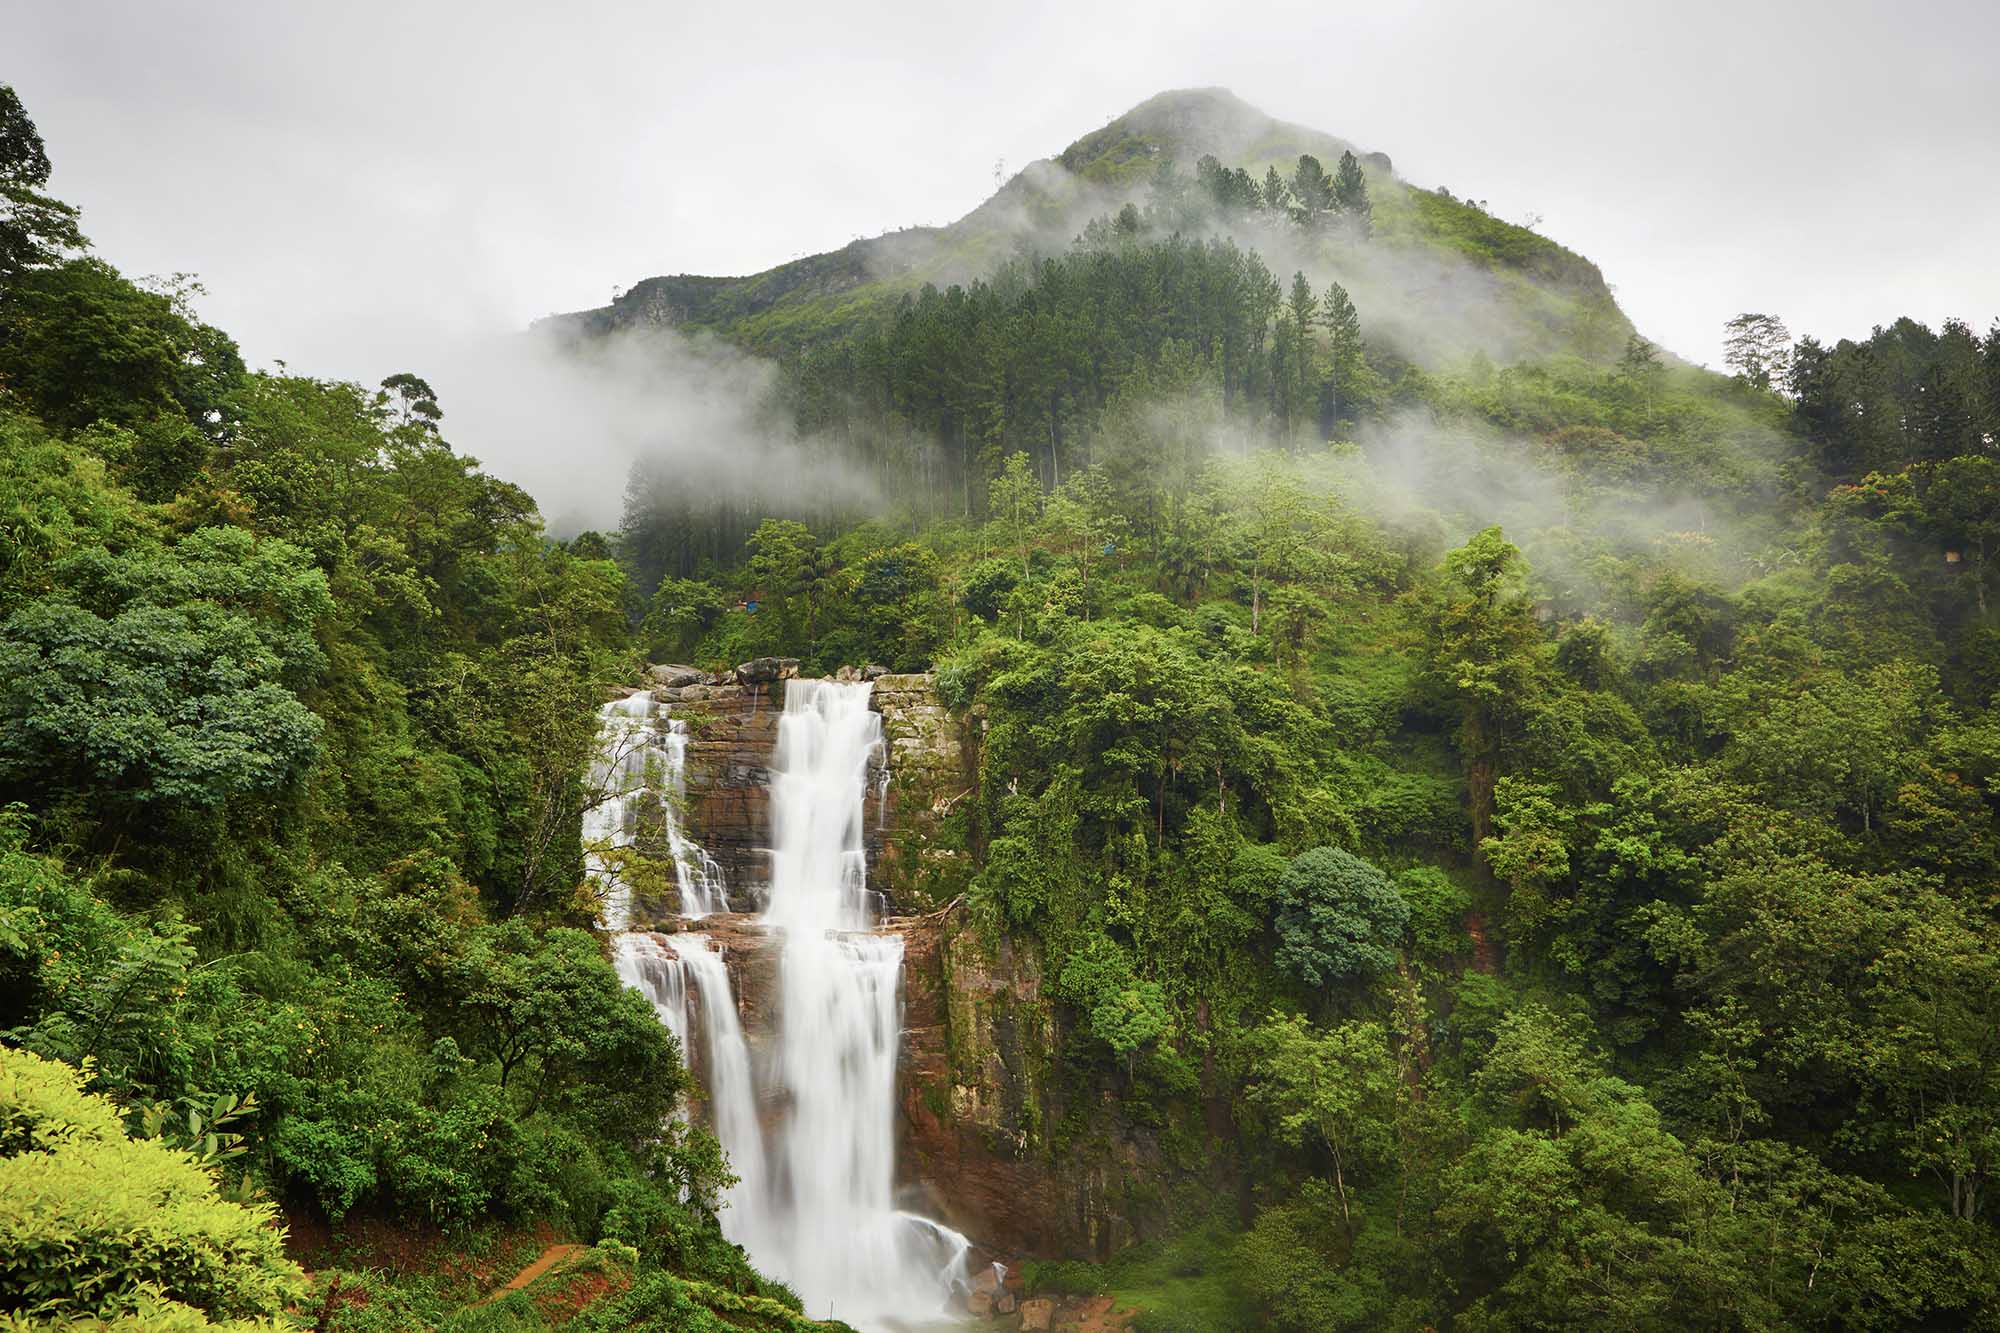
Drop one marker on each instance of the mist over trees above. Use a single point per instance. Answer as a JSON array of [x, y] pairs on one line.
[[1502, 843]]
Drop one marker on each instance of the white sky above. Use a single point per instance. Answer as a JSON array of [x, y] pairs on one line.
[[359, 183]]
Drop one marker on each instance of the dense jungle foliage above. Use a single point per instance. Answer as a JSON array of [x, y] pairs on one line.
[[1586, 922], [1547, 805], [295, 710]]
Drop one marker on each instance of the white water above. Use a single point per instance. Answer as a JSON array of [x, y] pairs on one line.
[[638, 762], [814, 1205], [832, 1231], [644, 963], [703, 892], [732, 1096]]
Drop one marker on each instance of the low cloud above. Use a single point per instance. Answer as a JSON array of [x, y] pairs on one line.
[[567, 419]]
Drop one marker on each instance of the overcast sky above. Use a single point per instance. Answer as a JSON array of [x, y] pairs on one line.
[[358, 183]]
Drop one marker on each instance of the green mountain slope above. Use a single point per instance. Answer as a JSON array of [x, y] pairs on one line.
[[1440, 274]]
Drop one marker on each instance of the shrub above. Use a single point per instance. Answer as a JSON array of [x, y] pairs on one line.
[[94, 1224], [1438, 905], [1339, 918]]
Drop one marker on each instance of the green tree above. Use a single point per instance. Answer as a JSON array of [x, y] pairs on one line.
[[1758, 348], [681, 612], [1125, 1012], [547, 1008], [1280, 530], [1933, 1047], [1312, 190], [1333, 1087], [1302, 374], [1532, 850], [1277, 195], [1350, 194], [1082, 515], [1964, 502], [786, 573], [1345, 364], [34, 229], [1574, 1201], [97, 1225], [81, 343], [1015, 499], [1480, 651], [1307, 1274], [166, 677], [1339, 918]]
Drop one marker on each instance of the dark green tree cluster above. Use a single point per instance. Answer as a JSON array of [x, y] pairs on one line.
[[1055, 359], [1902, 396], [1310, 197]]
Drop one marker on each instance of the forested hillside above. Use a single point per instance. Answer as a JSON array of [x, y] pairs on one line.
[[1522, 807], [1548, 798], [295, 710]]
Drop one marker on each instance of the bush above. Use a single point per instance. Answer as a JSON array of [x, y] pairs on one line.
[[662, 1303], [94, 1224], [1339, 918], [1437, 905], [986, 587]]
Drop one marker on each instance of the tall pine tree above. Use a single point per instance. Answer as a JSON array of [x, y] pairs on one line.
[[1350, 194]]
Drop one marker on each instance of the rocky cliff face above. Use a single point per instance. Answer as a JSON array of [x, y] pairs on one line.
[[732, 721], [1003, 1146], [990, 1143]]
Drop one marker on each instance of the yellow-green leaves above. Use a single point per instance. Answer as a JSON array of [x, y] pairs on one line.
[[96, 1225]]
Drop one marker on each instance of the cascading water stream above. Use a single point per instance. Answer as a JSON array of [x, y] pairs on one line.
[[626, 750], [703, 890], [833, 1231], [814, 1203], [639, 763], [647, 965]]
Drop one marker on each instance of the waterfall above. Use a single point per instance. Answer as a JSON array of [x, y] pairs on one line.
[[732, 1096], [625, 750], [658, 967], [703, 891], [814, 1202], [645, 964], [637, 762], [833, 1232]]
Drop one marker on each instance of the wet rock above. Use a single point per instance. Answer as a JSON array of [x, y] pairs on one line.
[[980, 1035], [931, 771]]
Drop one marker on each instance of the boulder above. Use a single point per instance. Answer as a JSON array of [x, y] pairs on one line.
[[1038, 1314], [672, 675], [1003, 1301], [765, 670]]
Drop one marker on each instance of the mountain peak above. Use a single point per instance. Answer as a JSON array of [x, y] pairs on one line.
[[1438, 276], [1182, 124]]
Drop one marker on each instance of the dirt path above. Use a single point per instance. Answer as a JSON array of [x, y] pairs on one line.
[[550, 1257]]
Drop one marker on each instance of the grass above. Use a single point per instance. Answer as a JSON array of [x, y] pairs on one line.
[[1186, 1283]]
